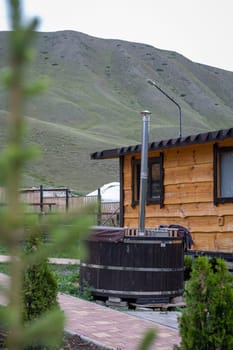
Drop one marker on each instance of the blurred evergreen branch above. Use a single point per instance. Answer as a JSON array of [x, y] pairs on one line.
[[16, 225], [147, 340]]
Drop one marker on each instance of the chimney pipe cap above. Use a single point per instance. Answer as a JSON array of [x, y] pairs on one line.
[[145, 112]]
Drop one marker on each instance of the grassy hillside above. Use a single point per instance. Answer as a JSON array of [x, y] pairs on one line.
[[97, 88]]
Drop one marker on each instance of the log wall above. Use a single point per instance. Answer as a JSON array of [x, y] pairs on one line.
[[188, 197]]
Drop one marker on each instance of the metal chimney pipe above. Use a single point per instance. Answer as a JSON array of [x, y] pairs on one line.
[[144, 171]]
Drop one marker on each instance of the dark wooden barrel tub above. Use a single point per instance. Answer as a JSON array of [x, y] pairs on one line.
[[138, 269]]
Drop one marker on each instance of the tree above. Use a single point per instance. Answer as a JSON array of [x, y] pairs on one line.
[[207, 321]]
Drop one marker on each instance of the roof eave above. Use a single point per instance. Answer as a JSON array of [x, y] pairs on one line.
[[201, 138]]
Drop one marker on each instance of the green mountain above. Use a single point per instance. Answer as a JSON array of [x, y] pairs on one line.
[[97, 89]]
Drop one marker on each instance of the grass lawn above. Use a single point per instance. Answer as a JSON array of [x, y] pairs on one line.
[[3, 250], [67, 275], [73, 252], [67, 278], [4, 268]]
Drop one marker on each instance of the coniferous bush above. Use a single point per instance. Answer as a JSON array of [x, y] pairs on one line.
[[207, 321], [40, 286], [188, 263]]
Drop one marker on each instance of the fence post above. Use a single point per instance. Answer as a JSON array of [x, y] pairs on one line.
[[67, 199], [99, 208], [41, 199]]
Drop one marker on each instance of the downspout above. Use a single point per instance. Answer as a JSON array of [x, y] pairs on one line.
[[144, 171]]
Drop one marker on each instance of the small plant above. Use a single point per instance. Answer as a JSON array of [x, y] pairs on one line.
[[39, 284], [3, 250], [85, 292], [4, 268], [68, 279], [207, 321]]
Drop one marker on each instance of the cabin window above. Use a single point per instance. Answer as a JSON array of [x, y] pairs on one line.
[[155, 180], [223, 174]]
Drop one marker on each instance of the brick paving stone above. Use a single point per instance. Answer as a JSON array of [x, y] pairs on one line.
[[109, 327], [113, 328]]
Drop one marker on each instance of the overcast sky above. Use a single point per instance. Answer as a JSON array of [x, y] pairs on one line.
[[201, 30]]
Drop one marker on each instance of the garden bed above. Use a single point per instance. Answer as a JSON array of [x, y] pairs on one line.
[[74, 341], [71, 341]]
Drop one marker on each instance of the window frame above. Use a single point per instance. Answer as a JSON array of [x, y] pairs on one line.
[[218, 151], [135, 176]]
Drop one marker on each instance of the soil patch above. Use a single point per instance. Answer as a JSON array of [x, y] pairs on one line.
[[71, 342], [74, 341]]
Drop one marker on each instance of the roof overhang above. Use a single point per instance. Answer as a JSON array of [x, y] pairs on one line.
[[211, 136]]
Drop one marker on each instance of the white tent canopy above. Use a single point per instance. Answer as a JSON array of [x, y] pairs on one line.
[[109, 193]]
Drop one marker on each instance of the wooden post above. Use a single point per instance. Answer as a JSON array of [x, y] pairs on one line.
[[41, 199], [67, 199], [99, 208]]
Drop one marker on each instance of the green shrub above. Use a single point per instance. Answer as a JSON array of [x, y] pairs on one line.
[[39, 285], [207, 321], [188, 263]]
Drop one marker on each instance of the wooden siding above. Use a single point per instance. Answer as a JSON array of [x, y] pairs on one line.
[[188, 197]]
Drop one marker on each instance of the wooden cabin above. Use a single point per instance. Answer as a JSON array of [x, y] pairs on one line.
[[190, 183]]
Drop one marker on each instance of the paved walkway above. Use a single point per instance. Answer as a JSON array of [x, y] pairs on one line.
[[60, 261], [111, 328]]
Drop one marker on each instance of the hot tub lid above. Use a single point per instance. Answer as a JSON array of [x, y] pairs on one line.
[[107, 233]]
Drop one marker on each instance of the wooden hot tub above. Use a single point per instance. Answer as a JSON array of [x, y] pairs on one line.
[[138, 269]]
